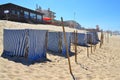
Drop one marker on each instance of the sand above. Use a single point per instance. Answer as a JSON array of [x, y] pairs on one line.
[[103, 64]]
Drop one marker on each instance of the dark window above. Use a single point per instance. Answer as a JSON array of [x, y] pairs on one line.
[[32, 16], [39, 17], [13, 12], [26, 14], [16, 12]]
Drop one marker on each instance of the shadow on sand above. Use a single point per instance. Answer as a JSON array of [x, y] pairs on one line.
[[23, 60], [60, 54]]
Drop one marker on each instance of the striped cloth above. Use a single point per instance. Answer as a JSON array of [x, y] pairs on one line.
[[53, 41], [16, 42], [68, 38], [37, 49], [82, 38], [94, 37], [56, 42]]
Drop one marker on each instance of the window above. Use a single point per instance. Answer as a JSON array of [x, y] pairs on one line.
[[6, 11], [26, 14], [32, 16], [39, 17], [16, 12], [13, 12]]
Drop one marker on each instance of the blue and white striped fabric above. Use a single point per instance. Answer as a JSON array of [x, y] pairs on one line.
[[53, 41], [68, 38], [14, 42], [36, 43], [94, 36], [82, 39]]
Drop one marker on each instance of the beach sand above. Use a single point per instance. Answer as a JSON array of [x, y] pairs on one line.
[[103, 64]]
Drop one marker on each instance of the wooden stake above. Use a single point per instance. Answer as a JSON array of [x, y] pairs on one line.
[[105, 36], [108, 37], [60, 42], [87, 47], [26, 43], [101, 40], [76, 46], [66, 45], [46, 40], [87, 51], [91, 42], [95, 47], [74, 40]]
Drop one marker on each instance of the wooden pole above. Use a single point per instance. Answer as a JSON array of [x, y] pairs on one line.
[[66, 45], [76, 46], [74, 40], [26, 43], [87, 46], [60, 42], [87, 51], [46, 40], [108, 37], [101, 40], [105, 36], [95, 47], [91, 42]]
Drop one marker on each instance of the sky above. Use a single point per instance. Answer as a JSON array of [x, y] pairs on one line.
[[88, 13]]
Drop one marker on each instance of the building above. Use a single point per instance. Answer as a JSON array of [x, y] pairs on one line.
[[17, 13], [48, 15]]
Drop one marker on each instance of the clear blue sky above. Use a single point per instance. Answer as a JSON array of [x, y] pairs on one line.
[[89, 13]]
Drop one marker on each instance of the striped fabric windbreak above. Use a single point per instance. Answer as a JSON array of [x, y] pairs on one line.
[[20, 42], [53, 41], [94, 37], [82, 39], [56, 42], [14, 42], [37, 49], [68, 38]]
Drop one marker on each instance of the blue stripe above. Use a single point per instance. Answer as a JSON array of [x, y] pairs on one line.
[[37, 44], [13, 42]]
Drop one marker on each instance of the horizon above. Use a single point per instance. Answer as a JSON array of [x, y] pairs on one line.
[[88, 14]]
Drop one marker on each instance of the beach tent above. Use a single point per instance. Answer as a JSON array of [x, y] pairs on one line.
[[26, 42], [81, 37], [93, 36], [56, 42]]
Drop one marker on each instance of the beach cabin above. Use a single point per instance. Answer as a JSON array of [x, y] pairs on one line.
[[27, 43], [18, 13]]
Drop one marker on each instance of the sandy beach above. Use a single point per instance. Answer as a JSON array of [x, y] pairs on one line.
[[102, 64]]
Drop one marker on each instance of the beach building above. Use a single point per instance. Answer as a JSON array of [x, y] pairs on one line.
[[18, 13]]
